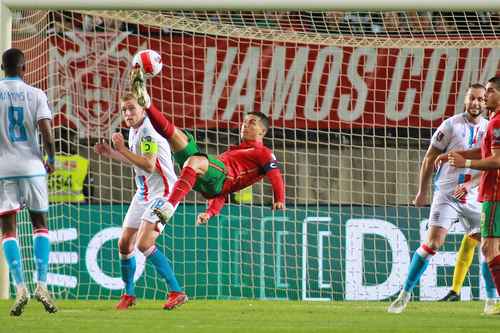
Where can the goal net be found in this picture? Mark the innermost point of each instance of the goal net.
(353, 98)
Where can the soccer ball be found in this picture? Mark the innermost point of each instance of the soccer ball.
(149, 61)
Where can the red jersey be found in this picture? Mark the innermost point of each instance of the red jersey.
(246, 164)
(489, 186)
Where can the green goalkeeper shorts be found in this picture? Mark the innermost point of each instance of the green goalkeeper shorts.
(490, 219)
(211, 183)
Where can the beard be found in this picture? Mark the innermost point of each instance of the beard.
(474, 112)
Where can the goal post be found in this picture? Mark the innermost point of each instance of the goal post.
(353, 98)
(318, 5)
(5, 43)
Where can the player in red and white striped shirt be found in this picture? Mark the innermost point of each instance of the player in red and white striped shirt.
(149, 154)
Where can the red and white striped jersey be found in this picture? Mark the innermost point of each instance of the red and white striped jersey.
(161, 181)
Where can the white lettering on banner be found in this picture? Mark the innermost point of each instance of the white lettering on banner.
(280, 258)
(282, 89)
(315, 259)
(321, 236)
(299, 85)
(308, 220)
(426, 105)
(211, 95)
(356, 229)
(247, 76)
(429, 290)
(272, 92)
(344, 112)
(278, 253)
(63, 258)
(416, 61)
(235, 258)
(335, 55)
(95, 245)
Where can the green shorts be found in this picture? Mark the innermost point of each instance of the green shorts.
(211, 183)
(490, 219)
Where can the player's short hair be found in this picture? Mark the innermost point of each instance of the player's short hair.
(12, 61)
(262, 117)
(128, 97)
(477, 86)
(496, 81)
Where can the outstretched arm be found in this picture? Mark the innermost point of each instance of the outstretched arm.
(471, 154)
(214, 207)
(276, 180)
(491, 162)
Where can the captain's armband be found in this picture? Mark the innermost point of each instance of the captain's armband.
(148, 146)
(271, 165)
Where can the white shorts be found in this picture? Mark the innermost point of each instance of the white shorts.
(140, 210)
(29, 192)
(445, 210)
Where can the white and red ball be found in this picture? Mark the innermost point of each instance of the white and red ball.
(149, 61)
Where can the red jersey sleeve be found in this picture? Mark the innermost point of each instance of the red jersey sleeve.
(267, 160)
(278, 185)
(271, 169)
(215, 205)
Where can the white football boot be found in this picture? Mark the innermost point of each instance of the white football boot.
(400, 303)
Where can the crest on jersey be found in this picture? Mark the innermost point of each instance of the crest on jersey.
(439, 136)
(89, 73)
(496, 136)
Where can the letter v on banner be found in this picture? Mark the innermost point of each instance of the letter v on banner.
(211, 94)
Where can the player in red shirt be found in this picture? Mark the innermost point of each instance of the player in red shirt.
(214, 176)
(487, 159)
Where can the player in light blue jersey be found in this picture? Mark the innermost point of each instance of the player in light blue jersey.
(23, 175)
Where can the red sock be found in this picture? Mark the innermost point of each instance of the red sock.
(494, 266)
(183, 185)
(161, 124)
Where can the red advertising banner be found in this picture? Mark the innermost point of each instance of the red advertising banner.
(212, 81)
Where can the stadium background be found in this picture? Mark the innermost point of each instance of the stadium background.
(349, 132)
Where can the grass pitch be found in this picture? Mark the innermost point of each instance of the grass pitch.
(249, 316)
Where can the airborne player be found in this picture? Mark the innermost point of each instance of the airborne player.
(214, 176)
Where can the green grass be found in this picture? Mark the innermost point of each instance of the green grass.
(249, 316)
